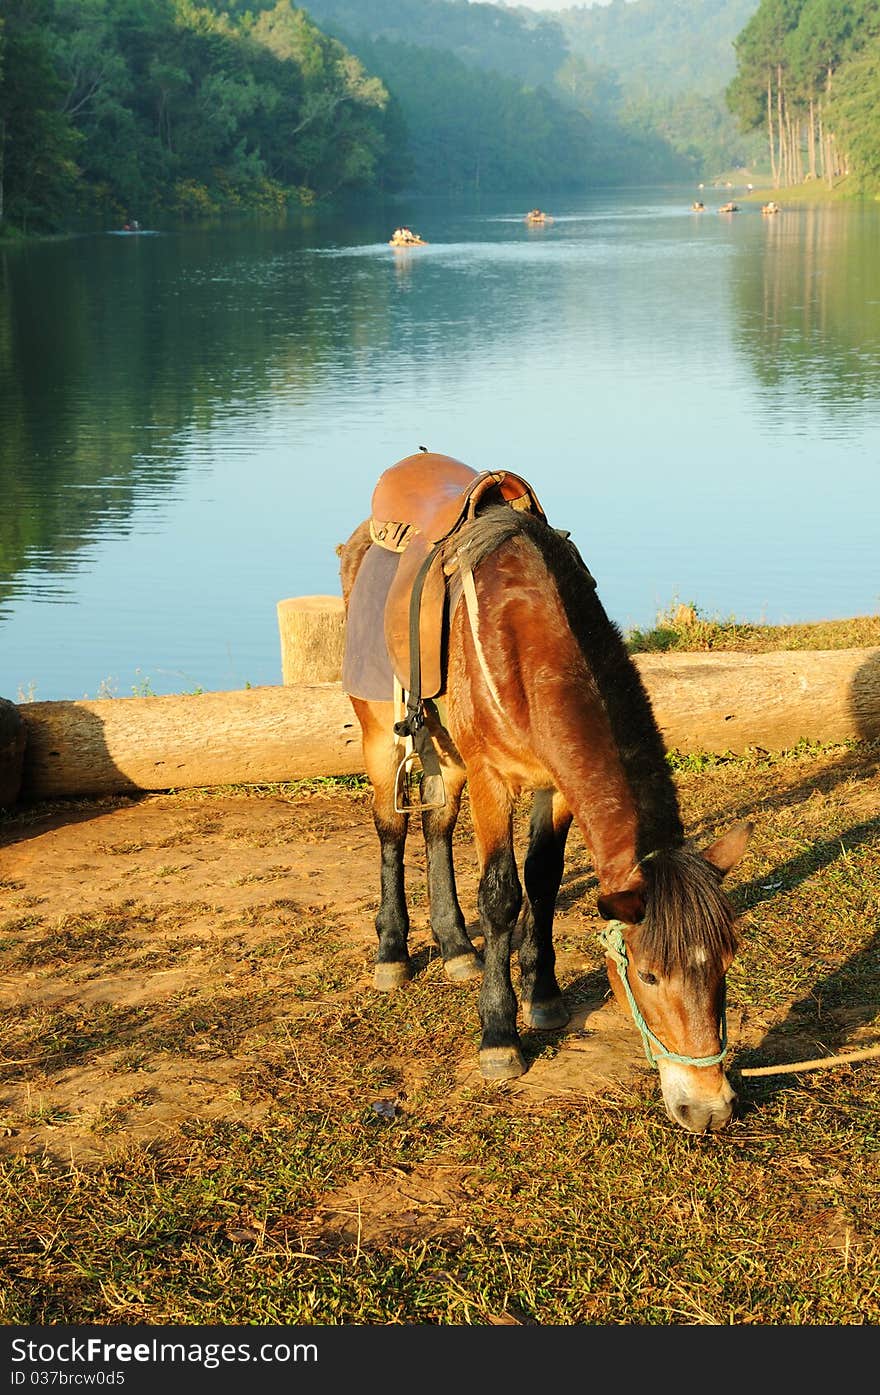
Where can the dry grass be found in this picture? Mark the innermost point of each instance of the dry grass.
(337, 1161)
(685, 627)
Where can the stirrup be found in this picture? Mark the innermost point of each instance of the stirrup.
(432, 789)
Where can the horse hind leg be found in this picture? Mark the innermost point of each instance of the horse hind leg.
(460, 961)
(499, 899)
(542, 1005)
(393, 966)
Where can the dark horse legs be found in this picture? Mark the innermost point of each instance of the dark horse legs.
(393, 965)
(500, 900)
(542, 1004)
(438, 825)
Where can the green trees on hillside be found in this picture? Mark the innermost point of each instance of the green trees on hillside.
(117, 107)
(855, 110)
(195, 106)
(127, 104)
(37, 140)
(672, 63)
(648, 75)
(471, 130)
(660, 47)
(522, 44)
(808, 73)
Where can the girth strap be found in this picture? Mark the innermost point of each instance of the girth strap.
(413, 723)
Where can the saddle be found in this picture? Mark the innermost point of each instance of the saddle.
(418, 506)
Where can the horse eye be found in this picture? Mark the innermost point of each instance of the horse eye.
(647, 977)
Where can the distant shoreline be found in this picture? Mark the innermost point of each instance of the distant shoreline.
(813, 191)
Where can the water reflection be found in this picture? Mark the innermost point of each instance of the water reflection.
(190, 423)
(808, 312)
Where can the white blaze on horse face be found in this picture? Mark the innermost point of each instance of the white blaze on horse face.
(698, 1098)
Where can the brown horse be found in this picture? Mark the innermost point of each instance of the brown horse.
(537, 692)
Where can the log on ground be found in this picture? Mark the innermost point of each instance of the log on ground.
(254, 736)
(13, 737)
(730, 701)
(715, 702)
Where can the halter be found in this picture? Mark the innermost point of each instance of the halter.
(611, 936)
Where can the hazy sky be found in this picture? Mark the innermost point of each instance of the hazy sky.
(546, 4)
(541, 4)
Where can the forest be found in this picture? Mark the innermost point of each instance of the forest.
(114, 105)
(111, 108)
(808, 75)
(645, 77)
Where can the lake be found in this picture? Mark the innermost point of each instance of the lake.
(192, 420)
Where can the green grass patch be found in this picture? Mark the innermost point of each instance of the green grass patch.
(683, 626)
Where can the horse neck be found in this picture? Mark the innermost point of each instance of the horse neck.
(600, 737)
(575, 696)
(594, 783)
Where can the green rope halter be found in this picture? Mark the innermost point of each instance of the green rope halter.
(611, 936)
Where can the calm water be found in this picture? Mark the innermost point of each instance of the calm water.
(190, 422)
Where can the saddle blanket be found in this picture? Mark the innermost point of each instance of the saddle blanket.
(366, 663)
(367, 671)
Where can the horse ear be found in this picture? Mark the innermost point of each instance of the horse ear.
(628, 906)
(727, 850)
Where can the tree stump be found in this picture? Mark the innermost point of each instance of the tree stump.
(312, 632)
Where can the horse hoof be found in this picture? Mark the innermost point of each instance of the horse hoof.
(462, 968)
(501, 1063)
(546, 1017)
(387, 977)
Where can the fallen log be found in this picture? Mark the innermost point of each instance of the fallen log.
(13, 736)
(250, 737)
(715, 702)
(729, 701)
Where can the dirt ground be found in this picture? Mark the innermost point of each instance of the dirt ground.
(148, 946)
(121, 918)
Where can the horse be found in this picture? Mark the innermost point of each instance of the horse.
(536, 693)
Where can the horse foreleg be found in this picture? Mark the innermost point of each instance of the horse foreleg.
(460, 961)
(381, 756)
(499, 899)
(542, 1003)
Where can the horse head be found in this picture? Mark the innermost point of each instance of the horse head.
(668, 945)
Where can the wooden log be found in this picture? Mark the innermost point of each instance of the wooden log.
(715, 702)
(13, 737)
(254, 736)
(730, 701)
(312, 634)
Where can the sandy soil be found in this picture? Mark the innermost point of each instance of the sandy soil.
(119, 919)
(150, 947)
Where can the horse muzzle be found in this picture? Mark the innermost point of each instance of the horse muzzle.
(698, 1104)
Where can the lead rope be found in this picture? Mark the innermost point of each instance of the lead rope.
(611, 936)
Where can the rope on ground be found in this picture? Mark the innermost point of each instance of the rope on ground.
(820, 1063)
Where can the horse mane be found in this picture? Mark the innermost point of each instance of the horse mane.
(618, 681)
(688, 922)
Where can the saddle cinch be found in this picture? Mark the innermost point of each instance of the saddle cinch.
(418, 506)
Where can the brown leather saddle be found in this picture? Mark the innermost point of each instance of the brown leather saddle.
(418, 506)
